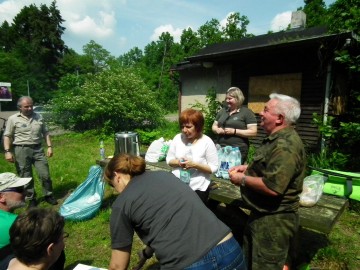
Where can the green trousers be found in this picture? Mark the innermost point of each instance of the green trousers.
(25, 158)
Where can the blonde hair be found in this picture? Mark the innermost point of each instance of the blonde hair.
(126, 164)
(236, 93)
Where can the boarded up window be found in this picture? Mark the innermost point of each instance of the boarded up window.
(260, 87)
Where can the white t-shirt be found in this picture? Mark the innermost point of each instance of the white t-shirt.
(203, 151)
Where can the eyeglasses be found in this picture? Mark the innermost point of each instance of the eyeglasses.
(14, 189)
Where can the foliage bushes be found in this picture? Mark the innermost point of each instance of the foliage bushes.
(110, 101)
(341, 141)
(209, 109)
(167, 130)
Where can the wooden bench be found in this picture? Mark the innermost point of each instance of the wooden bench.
(321, 217)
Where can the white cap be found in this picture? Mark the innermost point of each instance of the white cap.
(10, 180)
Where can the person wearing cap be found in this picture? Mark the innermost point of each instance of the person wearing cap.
(25, 131)
(12, 196)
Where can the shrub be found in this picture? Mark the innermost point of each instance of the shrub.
(210, 109)
(168, 130)
(111, 101)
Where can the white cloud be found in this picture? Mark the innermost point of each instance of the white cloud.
(224, 21)
(101, 27)
(8, 10)
(176, 33)
(281, 21)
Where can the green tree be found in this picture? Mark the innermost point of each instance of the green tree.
(5, 40)
(34, 38)
(344, 15)
(341, 133)
(112, 100)
(160, 56)
(235, 27)
(189, 42)
(316, 12)
(132, 58)
(101, 58)
(74, 63)
(209, 33)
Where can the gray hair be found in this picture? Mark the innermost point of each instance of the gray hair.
(287, 106)
(20, 100)
(236, 93)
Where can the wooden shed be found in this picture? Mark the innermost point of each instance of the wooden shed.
(298, 62)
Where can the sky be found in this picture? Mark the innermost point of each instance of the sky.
(120, 25)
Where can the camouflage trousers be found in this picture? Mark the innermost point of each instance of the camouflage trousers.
(270, 240)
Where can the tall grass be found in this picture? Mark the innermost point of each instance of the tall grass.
(89, 241)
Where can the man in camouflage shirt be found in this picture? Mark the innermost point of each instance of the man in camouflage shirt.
(271, 185)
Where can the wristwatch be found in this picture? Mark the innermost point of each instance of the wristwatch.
(243, 180)
(7, 151)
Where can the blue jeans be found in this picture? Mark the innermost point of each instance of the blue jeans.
(225, 256)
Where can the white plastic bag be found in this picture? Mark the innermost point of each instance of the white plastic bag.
(154, 151)
(312, 190)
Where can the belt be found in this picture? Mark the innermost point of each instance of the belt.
(28, 145)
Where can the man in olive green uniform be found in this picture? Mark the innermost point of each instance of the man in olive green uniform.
(25, 131)
(271, 185)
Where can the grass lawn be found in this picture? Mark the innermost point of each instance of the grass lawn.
(89, 241)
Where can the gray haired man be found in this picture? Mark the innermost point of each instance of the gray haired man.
(25, 131)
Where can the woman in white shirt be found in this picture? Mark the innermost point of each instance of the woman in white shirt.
(202, 160)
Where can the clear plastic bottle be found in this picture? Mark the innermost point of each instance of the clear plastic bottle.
(225, 162)
(233, 158)
(185, 174)
(102, 150)
(220, 153)
(238, 156)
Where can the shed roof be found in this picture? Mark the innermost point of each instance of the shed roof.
(294, 37)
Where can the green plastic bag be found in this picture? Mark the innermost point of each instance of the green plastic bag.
(164, 149)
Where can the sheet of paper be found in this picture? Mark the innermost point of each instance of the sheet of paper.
(81, 266)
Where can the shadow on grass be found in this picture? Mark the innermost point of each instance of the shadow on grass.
(65, 189)
(309, 242)
(107, 202)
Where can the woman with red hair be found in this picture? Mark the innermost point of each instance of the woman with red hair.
(204, 159)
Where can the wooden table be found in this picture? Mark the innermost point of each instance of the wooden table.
(320, 217)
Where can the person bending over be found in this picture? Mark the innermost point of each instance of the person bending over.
(168, 217)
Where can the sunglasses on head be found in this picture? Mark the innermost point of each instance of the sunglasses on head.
(14, 189)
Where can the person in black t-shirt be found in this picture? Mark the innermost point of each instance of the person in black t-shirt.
(234, 123)
(168, 217)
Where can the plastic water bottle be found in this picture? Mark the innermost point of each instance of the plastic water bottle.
(231, 162)
(233, 158)
(238, 156)
(220, 154)
(185, 174)
(102, 150)
(225, 163)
